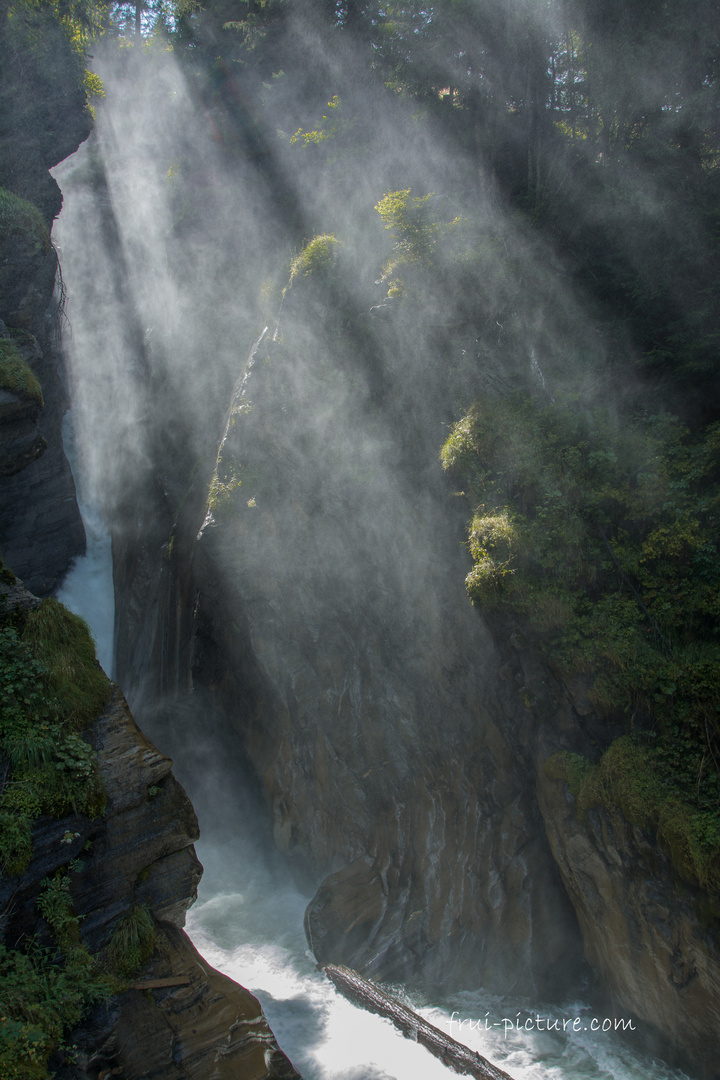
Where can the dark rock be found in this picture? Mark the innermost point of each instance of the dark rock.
(643, 927)
(140, 828)
(44, 115)
(210, 1028)
(41, 530)
(40, 526)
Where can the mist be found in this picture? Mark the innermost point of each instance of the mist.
(289, 273)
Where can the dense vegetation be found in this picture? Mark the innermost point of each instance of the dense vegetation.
(602, 539)
(50, 690)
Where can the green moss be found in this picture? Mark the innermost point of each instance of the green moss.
(16, 374)
(572, 768)
(630, 779)
(19, 219)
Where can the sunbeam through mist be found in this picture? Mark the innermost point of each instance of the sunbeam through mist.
(394, 428)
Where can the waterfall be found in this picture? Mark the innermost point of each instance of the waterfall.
(87, 588)
(248, 919)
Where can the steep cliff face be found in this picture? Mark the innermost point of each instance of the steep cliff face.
(44, 115)
(142, 854)
(653, 938)
(40, 525)
(321, 613)
(400, 739)
(135, 861)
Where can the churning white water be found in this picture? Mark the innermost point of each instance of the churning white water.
(248, 924)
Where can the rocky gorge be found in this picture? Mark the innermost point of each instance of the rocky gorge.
(289, 569)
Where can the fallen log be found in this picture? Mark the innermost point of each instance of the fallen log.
(452, 1053)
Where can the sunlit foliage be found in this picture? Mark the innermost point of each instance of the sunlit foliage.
(602, 537)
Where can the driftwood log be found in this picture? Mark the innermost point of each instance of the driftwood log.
(453, 1054)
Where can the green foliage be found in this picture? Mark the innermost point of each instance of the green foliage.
(494, 543)
(16, 374)
(315, 258)
(43, 991)
(408, 219)
(132, 942)
(39, 1000)
(601, 533)
(328, 129)
(50, 686)
(46, 695)
(417, 237)
(631, 777)
(63, 643)
(224, 484)
(20, 219)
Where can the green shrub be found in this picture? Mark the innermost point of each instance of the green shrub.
(50, 686)
(132, 942)
(45, 991)
(630, 777)
(16, 375)
(418, 239)
(315, 258)
(600, 534)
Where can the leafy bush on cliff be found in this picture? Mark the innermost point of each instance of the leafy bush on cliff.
(45, 991)
(601, 533)
(315, 257)
(417, 239)
(50, 688)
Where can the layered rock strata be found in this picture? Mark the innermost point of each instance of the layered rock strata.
(202, 1026)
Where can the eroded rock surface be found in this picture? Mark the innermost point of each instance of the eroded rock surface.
(208, 1029)
(40, 525)
(653, 938)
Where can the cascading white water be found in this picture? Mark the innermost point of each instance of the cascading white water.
(87, 588)
(248, 924)
(248, 920)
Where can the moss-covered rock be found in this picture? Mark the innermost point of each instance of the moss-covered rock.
(16, 375)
